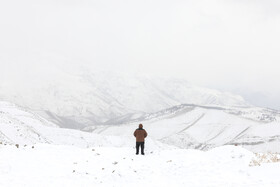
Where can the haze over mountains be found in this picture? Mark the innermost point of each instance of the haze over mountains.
(109, 103)
(84, 97)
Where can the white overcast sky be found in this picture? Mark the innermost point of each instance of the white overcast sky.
(231, 45)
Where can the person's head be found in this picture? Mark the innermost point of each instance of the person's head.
(140, 126)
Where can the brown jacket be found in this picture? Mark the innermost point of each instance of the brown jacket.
(140, 135)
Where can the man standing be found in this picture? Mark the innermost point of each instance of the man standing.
(140, 135)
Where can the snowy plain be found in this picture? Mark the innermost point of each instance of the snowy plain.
(61, 165)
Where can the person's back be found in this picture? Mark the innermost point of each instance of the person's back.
(140, 135)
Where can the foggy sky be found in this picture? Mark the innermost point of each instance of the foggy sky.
(231, 45)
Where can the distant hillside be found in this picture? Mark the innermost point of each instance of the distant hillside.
(204, 127)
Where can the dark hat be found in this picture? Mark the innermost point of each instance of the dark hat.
(140, 125)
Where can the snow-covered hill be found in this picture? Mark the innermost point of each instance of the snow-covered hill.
(204, 127)
(83, 97)
(183, 126)
(19, 126)
(16, 122)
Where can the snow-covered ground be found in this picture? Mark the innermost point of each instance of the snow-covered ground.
(59, 165)
(35, 152)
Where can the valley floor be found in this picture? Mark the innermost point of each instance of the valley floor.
(60, 165)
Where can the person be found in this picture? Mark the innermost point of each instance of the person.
(140, 135)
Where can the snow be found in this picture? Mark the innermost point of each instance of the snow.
(203, 127)
(271, 129)
(190, 127)
(19, 126)
(61, 165)
(51, 156)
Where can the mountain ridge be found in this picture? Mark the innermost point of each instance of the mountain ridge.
(86, 98)
(205, 127)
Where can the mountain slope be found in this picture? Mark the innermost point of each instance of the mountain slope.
(19, 126)
(204, 127)
(14, 122)
(184, 126)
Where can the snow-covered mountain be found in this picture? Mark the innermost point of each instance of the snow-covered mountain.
(20, 126)
(204, 127)
(183, 126)
(17, 123)
(81, 97)
(113, 104)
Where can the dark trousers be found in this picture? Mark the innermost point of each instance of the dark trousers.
(138, 144)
